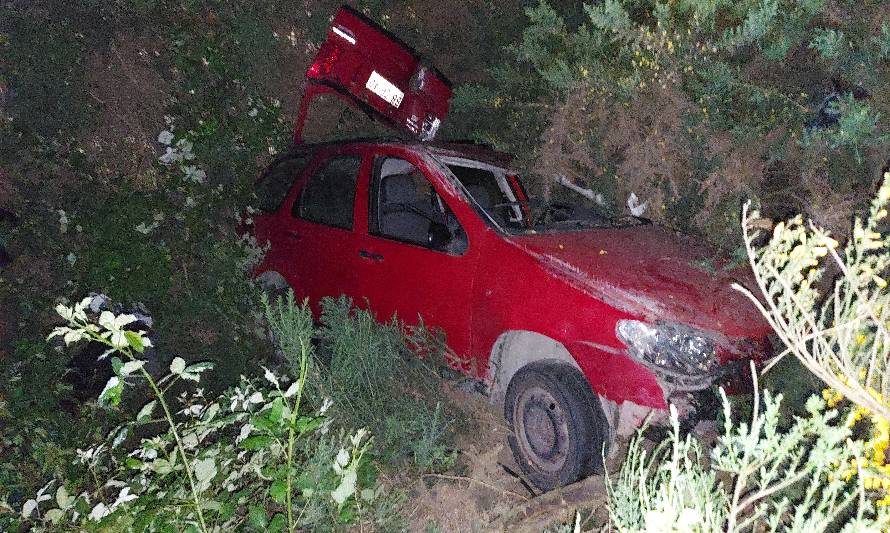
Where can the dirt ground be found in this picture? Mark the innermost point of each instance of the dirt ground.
(484, 490)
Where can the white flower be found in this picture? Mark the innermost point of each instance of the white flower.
(244, 433)
(689, 518)
(256, 397)
(144, 228)
(193, 173)
(253, 112)
(341, 460)
(123, 497)
(165, 137)
(636, 208)
(71, 258)
(184, 147)
(169, 156)
(99, 512)
(270, 377)
(63, 221)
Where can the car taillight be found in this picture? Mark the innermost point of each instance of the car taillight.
(324, 63)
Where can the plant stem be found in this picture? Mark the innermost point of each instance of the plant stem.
(291, 436)
(179, 445)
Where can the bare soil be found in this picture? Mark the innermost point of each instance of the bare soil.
(484, 491)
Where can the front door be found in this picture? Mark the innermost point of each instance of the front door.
(403, 272)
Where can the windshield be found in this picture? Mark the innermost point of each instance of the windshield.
(498, 196)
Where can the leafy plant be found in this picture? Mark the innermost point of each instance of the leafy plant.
(366, 368)
(236, 458)
(757, 477)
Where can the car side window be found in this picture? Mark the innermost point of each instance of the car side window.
(405, 207)
(328, 197)
(273, 187)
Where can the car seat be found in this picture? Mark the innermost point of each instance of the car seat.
(400, 215)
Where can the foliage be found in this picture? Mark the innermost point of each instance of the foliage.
(758, 477)
(695, 105)
(373, 378)
(839, 334)
(247, 457)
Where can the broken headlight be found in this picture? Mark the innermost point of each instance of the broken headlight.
(674, 348)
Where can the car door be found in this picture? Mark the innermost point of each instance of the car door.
(402, 273)
(320, 228)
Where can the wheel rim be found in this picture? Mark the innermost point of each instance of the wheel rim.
(541, 428)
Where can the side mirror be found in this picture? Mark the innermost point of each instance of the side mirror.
(438, 237)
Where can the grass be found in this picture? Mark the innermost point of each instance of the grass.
(370, 378)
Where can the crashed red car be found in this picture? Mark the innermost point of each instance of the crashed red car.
(578, 323)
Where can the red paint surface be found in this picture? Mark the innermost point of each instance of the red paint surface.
(344, 67)
(572, 287)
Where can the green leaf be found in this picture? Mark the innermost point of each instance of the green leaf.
(306, 423)
(63, 498)
(53, 515)
(135, 341)
(276, 408)
(197, 368)
(256, 442)
(205, 469)
(146, 411)
(257, 517)
(278, 491)
(346, 488)
(131, 366)
(111, 394)
(277, 523)
(177, 366)
(116, 365)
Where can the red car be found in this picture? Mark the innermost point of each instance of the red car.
(578, 323)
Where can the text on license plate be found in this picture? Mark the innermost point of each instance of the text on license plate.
(385, 89)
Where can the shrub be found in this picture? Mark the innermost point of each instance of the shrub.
(694, 106)
(822, 472)
(252, 456)
(373, 378)
(759, 478)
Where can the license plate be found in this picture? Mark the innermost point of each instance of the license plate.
(385, 89)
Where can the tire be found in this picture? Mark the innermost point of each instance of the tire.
(558, 428)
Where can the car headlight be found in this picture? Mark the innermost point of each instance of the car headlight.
(676, 348)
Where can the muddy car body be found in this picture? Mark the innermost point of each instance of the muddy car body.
(578, 324)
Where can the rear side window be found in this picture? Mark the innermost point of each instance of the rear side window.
(273, 188)
(329, 194)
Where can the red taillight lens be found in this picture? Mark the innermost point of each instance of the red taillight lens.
(324, 62)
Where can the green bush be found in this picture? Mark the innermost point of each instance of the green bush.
(758, 477)
(254, 457)
(694, 106)
(374, 379)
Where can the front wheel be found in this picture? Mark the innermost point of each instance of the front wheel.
(558, 427)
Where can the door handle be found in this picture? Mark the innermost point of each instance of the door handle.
(370, 255)
(294, 235)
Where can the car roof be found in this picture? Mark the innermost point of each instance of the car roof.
(454, 149)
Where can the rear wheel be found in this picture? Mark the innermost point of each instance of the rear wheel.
(558, 427)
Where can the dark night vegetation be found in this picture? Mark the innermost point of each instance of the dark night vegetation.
(131, 132)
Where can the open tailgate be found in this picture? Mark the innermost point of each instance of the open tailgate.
(370, 68)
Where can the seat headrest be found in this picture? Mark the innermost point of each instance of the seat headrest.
(398, 189)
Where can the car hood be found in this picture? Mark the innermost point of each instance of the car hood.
(653, 273)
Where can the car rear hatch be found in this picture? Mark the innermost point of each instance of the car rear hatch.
(374, 70)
